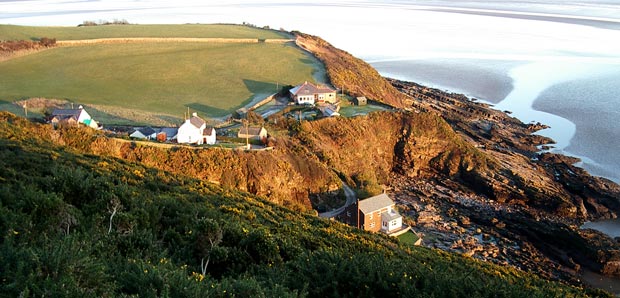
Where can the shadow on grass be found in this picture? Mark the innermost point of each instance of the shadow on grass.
(209, 111)
(259, 87)
(308, 61)
(259, 90)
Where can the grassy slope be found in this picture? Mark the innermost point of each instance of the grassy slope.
(12, 32)
(213, 79)
(55, 204)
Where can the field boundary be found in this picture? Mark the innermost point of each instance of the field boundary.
(168, 39)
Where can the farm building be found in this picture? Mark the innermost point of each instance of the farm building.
(253, 133)
(308, 93)
(160, 134)
(193, 131)
(72, 117)
(209, 135)
(361, 101)
(145, 133)
(167, 134)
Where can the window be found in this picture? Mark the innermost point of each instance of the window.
(371, 225)
(370, 216)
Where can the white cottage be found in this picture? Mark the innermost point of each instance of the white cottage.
(209, 135)
(191, 131)
(308, 93)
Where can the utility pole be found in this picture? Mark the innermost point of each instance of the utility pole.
(247, 137)
(358, 213)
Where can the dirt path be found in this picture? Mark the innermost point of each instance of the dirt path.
(350, 194)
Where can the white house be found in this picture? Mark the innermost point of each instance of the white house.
(308, 93)
(191, 131)
(68, 116)
(391, 221)
(209, 135)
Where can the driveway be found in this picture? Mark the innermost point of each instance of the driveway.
(351, 199)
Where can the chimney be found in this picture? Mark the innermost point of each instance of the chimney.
(195, 114)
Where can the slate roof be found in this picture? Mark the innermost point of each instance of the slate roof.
(146, 131)
(308, 89)
(197, 121)
(67, 112)
(375, 203)
(170, 131)
(252, 131)
(209, 131)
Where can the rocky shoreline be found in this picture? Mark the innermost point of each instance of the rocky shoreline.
(512, 229)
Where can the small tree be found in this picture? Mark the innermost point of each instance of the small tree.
(208, 236)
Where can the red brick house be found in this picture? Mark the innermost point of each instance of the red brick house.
(374, 214)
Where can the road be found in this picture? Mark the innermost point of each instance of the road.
(351, 199)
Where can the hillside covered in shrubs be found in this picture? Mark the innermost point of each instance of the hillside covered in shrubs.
(75, 223)
(352, 74)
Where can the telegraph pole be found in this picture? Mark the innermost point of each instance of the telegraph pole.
(247, 136)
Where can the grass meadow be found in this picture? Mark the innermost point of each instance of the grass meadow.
(12, 32)
(164, 79)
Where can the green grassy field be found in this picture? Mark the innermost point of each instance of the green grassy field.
(160, 78)
(12, 32)
(408, 238)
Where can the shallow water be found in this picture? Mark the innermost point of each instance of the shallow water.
(486, 80)
(609, 227)
(593, 104)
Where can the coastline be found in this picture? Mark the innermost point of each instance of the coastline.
(473, 77)
(534, 92)
(542, 84)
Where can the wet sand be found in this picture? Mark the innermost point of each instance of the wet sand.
(593, 106)
(486, 80)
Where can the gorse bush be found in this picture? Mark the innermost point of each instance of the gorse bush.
(57, 206)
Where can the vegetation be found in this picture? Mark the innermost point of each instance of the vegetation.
(12, 32)
(163, 79)
(355, 76)
(20, 45)
(408, 238)
(76, 224)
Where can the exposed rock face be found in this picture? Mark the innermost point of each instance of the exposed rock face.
(527, 203)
